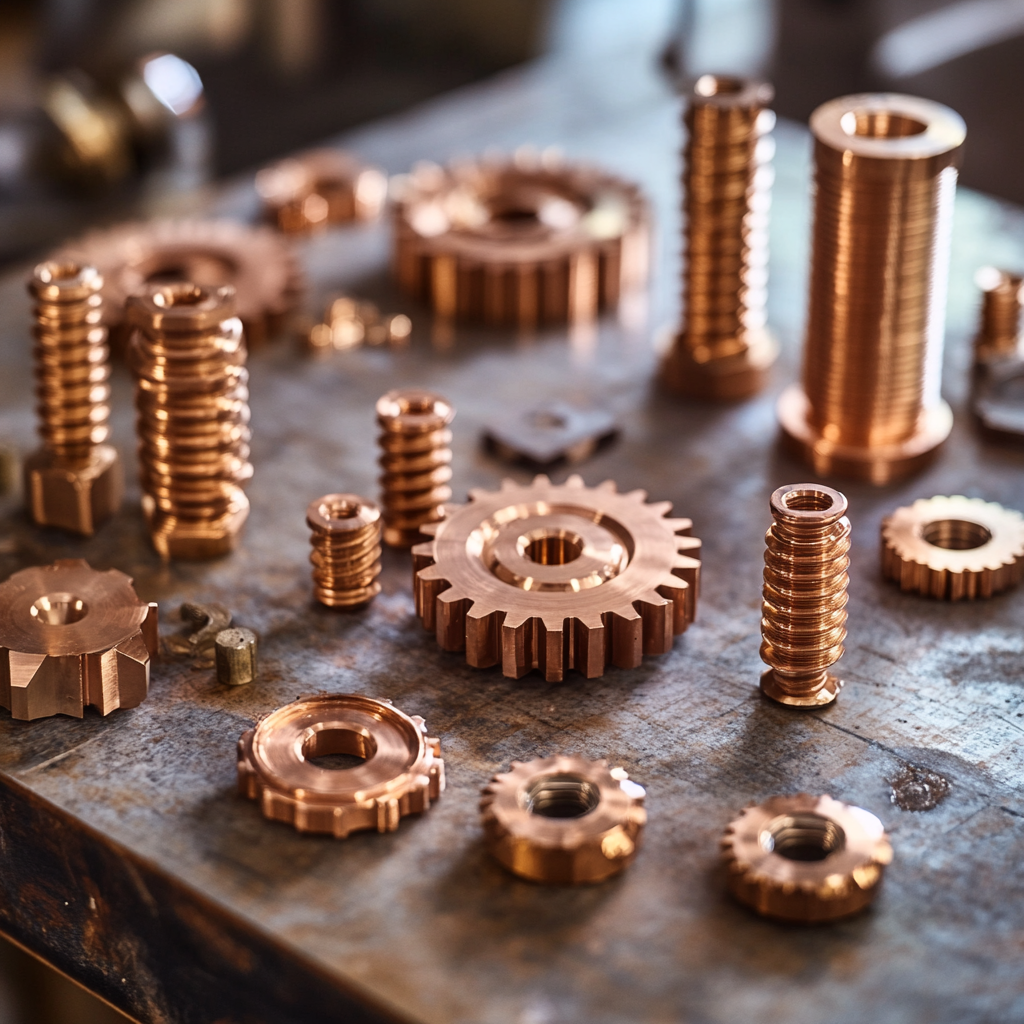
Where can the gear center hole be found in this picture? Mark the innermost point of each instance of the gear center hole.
(804, 837)
(561, 796)
(551, 546)
(337, 748)
(956, 534)
(59, 609)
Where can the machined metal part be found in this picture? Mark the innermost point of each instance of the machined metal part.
(235, 656)
(349, 323)
(401, 771)
(75, 480)
(556, 577)
(805, 858)
(563, 819)
(71, 636)
(192, 398)
(885, 173)
(525, 241)
(550, 433)
(999, 397)
(346, 536)
(723, 349)
(953, 548)
(999, 327)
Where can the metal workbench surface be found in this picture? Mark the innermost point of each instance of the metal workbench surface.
(128, 860)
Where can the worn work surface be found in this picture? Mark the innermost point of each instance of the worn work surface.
(128, 860)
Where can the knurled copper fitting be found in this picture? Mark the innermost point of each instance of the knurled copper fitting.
(416, 461)
(803, 615)
(346, 532)
(885, 177)
(188, 358)
(1002, 301)
(563, 819)
(806, 859)
(723, 349)
(74, 481)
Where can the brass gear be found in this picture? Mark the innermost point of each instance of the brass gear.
(257, 261)
(953, 548)
(557, 576)
(525, 241)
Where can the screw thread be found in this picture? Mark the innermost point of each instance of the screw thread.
(1001, 306)
(346, 535)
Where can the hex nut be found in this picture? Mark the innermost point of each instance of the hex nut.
(235, 653)
(74, 497)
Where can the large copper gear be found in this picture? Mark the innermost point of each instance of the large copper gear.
(521, 241)
(953, 548)
(257, 261)
(556, 577)
(72, 636)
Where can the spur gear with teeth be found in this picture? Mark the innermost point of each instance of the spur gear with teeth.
(557, 576)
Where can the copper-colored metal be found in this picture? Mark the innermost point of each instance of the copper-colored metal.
(193, 417)
(320, 187)
(525, 241)
(71, 636)
(346, 549)
(349, 323)
(75, 481)
(803, 623)
(556, 577)
(885, 175)
(805, 858)
(563, 819)
(402, 771)
(723, 349)
(256, 261)
(235, 656)
(416, 461)
(1002, 302)
(953, 548)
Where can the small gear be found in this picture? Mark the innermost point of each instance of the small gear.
(563, 819)
(72, 636)
(557, 576)
(258, 262)
(402, 771)
(953, 548)
(523, 241)
(805, 858)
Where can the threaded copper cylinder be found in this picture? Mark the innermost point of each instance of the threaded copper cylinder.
(1002, 300)
(192, 397)
(803, 622)
(722, 349)
(416, 462)
(346, 534)
(885, 177)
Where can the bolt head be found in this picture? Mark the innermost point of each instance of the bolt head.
(74, 496)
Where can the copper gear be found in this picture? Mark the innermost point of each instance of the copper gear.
(953, 548)
(563, 819)
(257, 261)
(402, 772)
(72, 636)
(557, 576)
(525, 241)
(805, 858)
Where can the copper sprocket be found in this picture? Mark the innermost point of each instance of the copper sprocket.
(556, 577)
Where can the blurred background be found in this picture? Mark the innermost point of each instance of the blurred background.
(112, 109)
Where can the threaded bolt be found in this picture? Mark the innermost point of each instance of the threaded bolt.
(1002, 301)
(346, 549)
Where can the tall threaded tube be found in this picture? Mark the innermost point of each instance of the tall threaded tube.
(193, 417)
(416, 461)
(346, 549)
(1001, 305)
(803, 622)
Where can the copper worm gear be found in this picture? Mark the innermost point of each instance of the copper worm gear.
(72, 636)
(953, 548)
(805, 858)
(522, 241)
(257, 261)
(346, 549)
(402, 771)
(563, 819)
(556, 577)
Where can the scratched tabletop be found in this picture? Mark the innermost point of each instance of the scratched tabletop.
(128, 861)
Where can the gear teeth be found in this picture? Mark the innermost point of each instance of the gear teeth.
(483, 636)
(574, 481)
(430, 529)
(608, 485)
(640, 496)
(451, 607)
(660, 508)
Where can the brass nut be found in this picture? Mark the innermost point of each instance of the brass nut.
(803, 617)
(71, 636)
(805, 858)
(563, 819)
(401, 771)
(953, 548)
(235, 655)
(556, 577)
(77, 497)
(346, 534)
